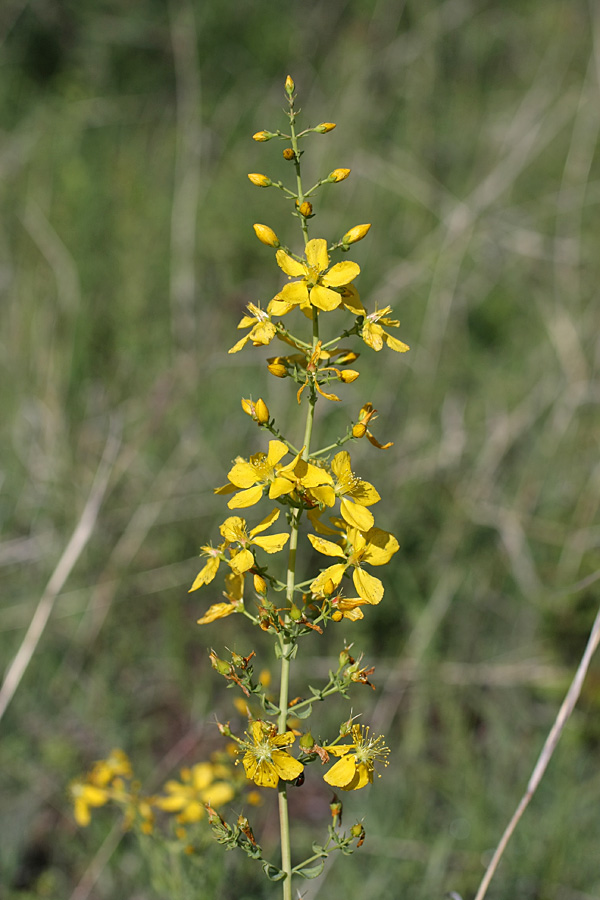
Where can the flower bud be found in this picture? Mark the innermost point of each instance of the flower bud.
(258, 411)
(336, 807)
(260, 180)
(324, 127)
(263, 136)
(289, 85)
(347, 357)
(289, 154)
(358, 831)
(277, 369)
(219, 665)
(307, 741)
(295, 613)
(266, 235)
(305, 209)
(359, 430)
(260, 585)
(349, 375)
(355, 234)
(224, 729)
(262, 411)
(337, 616)
(337, 175)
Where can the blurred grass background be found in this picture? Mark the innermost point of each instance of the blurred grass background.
(126, 259)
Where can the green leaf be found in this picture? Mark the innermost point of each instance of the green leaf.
(272, 872)
(303, 713)
(312, 872)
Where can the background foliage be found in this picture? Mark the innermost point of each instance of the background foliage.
(126, 258)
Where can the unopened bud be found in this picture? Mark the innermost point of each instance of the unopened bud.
(305, 209)
(289, 154)
(336, 807)
(307, 741)
(336, 175)
(359, 430)
(289, 85)
(220, 666)
(295, 613)
(262, 411)
(349, 375)
(277, 369)
(344, 656)
(358, 831)
(347, 357)
(337, 616)
(355, 234)
(324, 127)
(260, 585)
(260, 180)
(263, 136)
(266, 235)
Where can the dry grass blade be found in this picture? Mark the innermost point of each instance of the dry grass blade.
(564, 713)
(79, 538)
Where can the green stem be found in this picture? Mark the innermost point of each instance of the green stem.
(286, 647)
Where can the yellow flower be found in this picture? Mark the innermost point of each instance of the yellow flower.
(355, 494)
(374, 335)
(262, 331)
(86, 796)
(360, 428)
(210, 569)
(357, 547)
(198, 786)
(234, 530)
(299, 476)
(265, 762)
(253, 474)
(317, 280)
(355, 768)
(97, 788)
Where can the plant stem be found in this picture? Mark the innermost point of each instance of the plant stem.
(285, 647)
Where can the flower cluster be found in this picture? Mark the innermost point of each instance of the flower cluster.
(266, 574)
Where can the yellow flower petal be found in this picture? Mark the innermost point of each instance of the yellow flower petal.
(394, 344)
(316, 254)
(354, 514)
(367, 586)
(206, 574)
(266, 522)
(286, 766)
(328, 548)
(342, 273)
(290, 266)
(324, 299)
(272, 543)
(381, 546)
(244, 499)
(218, 610)
(342, 773)
(242, 561)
